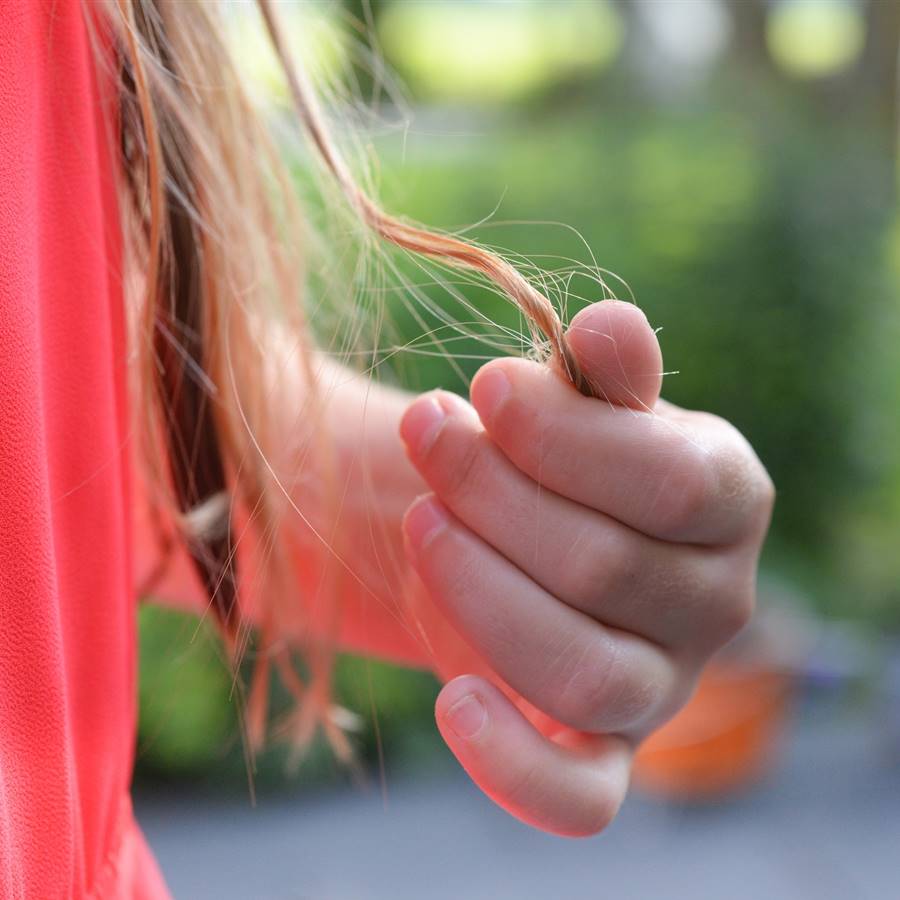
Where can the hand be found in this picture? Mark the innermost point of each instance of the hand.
(592, 553)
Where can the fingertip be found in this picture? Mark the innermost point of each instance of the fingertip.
(619, 353)
(610, 306)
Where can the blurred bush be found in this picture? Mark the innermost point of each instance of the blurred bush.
(758, 246)
(189, 722)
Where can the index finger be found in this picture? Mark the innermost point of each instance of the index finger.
(689, 478)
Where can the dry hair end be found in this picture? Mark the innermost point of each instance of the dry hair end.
(535, 306)
(214, 255)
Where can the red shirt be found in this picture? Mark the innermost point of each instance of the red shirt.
(67, 599)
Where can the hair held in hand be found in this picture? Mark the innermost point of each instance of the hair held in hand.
(215, 234)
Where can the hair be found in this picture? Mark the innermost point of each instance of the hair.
(215, 235)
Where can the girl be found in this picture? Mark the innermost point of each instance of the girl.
(565, 563)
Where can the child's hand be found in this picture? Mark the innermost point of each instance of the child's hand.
(593, 554)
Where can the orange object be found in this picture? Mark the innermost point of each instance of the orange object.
(722, 740)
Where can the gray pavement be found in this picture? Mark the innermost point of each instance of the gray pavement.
(825, 824)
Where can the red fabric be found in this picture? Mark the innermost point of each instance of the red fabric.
(67, 604)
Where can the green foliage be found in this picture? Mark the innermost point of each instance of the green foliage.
(483, 52)
(760, 238)
(761, 259)
(186, 717)
(189, 722)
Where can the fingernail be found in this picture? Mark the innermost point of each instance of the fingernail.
(466, 717)
(421, 424)
(423, 521)
(489, 391)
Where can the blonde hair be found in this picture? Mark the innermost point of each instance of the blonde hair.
(214, 228)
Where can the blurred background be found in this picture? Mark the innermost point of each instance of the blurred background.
(734, 162)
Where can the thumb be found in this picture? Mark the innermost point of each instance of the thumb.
(618, 353)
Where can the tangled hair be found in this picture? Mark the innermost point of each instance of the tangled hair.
(215, 235)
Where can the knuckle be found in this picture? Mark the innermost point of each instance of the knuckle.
(600, 562)
(766, 492)
(713, 604)
(740, 469)
(731, 603)
(742, 484)
(737, 612)
(596, 691)
(684, 495)
(712, 471)
(578, 682)
(674, 592)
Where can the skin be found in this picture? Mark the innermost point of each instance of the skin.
(565, 564)
(592, 553)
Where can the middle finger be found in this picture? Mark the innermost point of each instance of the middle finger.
(588, 560)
